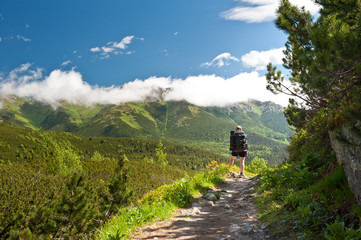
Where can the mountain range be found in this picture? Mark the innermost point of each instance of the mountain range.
(203, 127)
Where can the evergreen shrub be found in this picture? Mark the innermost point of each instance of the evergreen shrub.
(258, 165)
(37, 168)
(159, 203)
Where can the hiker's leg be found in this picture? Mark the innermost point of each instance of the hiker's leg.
(231, 161)
(242, 163)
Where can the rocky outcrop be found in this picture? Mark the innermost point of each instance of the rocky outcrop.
(346, 141)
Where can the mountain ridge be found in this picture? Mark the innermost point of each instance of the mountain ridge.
(177, 121)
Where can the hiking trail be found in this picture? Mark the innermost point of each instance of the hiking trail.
(232, 216)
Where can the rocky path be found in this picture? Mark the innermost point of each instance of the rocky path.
(232, 216)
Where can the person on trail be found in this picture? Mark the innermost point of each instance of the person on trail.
(239, 147)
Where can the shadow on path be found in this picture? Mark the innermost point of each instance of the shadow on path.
(233, 216)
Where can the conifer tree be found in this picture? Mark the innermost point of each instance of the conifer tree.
(161, 157)
(74, 211)
(324, 58)
(119, 193)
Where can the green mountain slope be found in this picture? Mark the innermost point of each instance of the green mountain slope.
(127, 120)
(182, 122)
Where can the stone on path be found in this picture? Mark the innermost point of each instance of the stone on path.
(211, 197)
(190, 211)
(247, 229)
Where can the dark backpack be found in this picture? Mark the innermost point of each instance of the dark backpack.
(238, 141)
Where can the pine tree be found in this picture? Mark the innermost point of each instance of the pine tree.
(74, 212)
(324, 59)
(161, 157)
(119, 193)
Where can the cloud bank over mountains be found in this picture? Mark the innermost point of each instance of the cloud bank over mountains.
(201, 90)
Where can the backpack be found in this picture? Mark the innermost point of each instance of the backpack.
(238, 141)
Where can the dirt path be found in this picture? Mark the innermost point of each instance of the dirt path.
(232, 216)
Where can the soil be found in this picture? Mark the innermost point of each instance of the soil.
(232, 216)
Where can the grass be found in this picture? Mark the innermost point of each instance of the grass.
(298, 201)
(142, 111)
(128, 119)
(160, 203)
(81, 114)
(128, 220)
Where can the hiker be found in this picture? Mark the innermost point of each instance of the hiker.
(239, 147)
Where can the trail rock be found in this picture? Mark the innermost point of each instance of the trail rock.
(241, 204)
(210, 197)
(196, 204)
(228, 237)
(233, 174)
(190, 212)
(247, 229)
(234, 228)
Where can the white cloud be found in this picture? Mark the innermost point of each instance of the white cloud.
(20, 37)
(202, 90)
(113, 47)
(23, 67)
(95, 49)
(0, 39)
(66, 63)
(253, 11)
(122, 44)
(24, 74)
(221, 60)
(259, 60)
(107, 50)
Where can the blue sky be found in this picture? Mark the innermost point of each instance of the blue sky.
(105, 47)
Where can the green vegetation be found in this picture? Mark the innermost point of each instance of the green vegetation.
(36, 204)
(49, 179)
(202, 127)
(161, 156)
(159, 203)
(308, 196)
(257, 166)
(19, 145)
(323, 58)
(308, 200)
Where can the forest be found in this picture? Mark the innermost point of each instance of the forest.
(61, 185)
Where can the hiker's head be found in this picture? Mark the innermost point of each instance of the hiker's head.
(238, 128)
